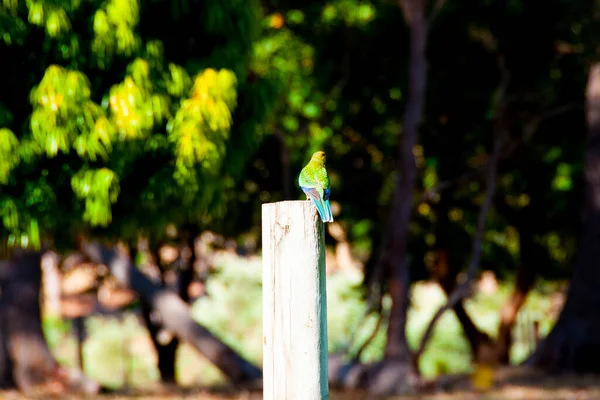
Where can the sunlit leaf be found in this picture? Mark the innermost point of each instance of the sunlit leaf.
(99, 188)
(9, 156)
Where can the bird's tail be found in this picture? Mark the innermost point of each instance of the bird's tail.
(324, 210)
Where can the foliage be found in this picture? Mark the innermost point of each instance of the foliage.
(132, 129)
(350, 98)
(127, 135)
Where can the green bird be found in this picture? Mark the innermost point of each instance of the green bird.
(314, 182)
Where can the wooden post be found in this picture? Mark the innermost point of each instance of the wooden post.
(294, 302)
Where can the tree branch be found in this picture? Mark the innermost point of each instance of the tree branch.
(381, 316)
(529, 130)
(463, 289)
(504, 152)
(439, 4)
(501, 137)
(533, 125)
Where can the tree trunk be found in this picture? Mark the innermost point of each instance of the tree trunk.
(523, 284)
(164, 342)
(447, 280)
(395, 245)
(24, 346)
(79, 328)
(186, 275)
(394, 375)
(175, 314)
(6, 377)
(574, 342)
(165, 346)
(445, 271)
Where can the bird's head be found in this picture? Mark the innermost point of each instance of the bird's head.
(318, 156)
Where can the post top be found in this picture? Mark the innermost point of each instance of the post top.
(298, 210)
(286, 201)
(290, 203)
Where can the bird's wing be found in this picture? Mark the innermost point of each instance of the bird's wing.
(304, 179)
(311, 192)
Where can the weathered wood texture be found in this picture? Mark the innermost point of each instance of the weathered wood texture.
(294, 302)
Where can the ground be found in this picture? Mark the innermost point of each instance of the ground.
(118, 352)
(512, 384)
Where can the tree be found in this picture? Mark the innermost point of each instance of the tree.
(116, 131)
(516, 101)
(573, 342)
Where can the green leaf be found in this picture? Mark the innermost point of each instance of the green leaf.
(9, 156)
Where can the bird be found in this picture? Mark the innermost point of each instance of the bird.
(314, 182)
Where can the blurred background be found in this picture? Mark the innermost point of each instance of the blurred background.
(462, 142)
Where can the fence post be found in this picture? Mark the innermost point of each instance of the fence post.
(294, 302)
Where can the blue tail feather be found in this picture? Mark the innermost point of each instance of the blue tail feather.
(324, 210)
(322, 205)
(329, 213)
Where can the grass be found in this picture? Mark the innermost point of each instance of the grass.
(118, 352)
